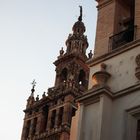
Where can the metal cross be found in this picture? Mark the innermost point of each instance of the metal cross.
(33, 83)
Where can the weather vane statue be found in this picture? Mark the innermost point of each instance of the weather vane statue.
(81, 13)
(33, 87)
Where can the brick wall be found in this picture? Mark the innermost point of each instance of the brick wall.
(105, 27)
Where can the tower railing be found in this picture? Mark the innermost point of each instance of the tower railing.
(125, 36)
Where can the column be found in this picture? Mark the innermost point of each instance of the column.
(39, 122)
(67, 114)
(31, 128)
(60, 117)
(49, 120)
(57, 118)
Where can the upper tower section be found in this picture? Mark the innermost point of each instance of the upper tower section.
(118, 24)
(71, 67)
(77, 41)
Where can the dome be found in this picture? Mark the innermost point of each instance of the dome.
(79, 27)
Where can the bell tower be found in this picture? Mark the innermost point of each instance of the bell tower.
(71, 69)
(49, 118)
(71, 81)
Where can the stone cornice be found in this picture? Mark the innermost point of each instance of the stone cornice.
(71, 56)
(126, 91)
(94, 93)
(103, 3)
(114, 53)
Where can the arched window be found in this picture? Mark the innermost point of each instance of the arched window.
(73, 113)
(138, 130)
(78, 30)
(83, 48)
(69, 47)
(53, 119)
(27, 129)
(82, 78)
(33, 130)
(64, 74)
(60, 116)
(44, 118)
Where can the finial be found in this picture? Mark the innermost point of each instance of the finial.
(61, 51)
(33, 87)
(90, 54)
(37, 98)
(44, 94)
(81, 12)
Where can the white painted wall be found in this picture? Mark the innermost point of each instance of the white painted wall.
(122, 68)
(90, 122)
(119, 114)
(106, 119)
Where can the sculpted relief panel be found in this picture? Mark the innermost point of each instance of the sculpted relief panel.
(137, 72)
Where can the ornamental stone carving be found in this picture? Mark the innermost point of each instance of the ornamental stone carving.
(138, 60)
(137, 71)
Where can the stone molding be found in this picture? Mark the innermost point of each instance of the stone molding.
(103, 3)
(95, 92)
(132, 116)
(126, 47)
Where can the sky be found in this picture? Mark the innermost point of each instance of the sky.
(31, 34)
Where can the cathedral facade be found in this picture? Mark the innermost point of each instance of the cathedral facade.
(110, 108)
(49, 118)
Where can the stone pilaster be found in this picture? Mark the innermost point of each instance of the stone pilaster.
(57, 118)
(67, 114)
(49, 121)
(39, 123)
(31, 128)
(64, 136)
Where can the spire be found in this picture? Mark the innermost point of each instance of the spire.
(79, 27)
(90, 54)
(81, 14)
(31, 99)
(33, 88)
(77, 41)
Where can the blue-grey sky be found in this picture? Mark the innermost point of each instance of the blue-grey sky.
(31, 34)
